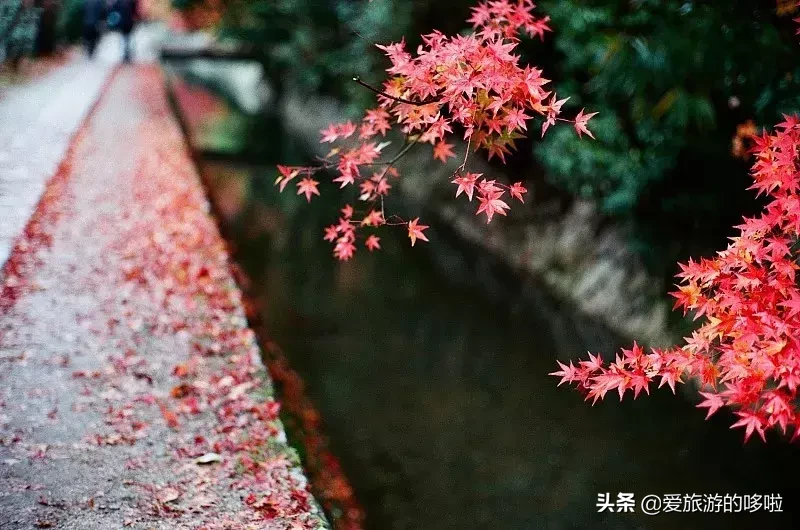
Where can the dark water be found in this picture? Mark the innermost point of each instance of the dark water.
(429, 367)
(433, 387)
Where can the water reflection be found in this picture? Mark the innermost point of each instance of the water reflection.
(434, 390)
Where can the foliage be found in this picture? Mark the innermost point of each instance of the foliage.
(746, 352)
(471, 82)
(310, 46)
(671, 81)
(664, 76)
(677, 87)
(18, 25)
(70, 20)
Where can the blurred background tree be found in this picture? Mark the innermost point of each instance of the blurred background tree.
(303, 45)
(18, 29)
(70, 21)
(671, 82)
(315, 47)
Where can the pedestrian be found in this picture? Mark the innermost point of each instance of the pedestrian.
(93, 14)
(122, 17)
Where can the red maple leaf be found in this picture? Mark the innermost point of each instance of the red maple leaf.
(308, 186)
(748, 306)
(580, 123)
(517, 190)
(752, 422)
(466, 184)
(568, 374)
(793, 304)
(373, 243)
(415, 231)
(469, 81)
(331, 233)
(442, 151)
(490, 205)
(374, 218)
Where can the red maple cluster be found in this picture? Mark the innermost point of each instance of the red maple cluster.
(473, 83)
(746, 354)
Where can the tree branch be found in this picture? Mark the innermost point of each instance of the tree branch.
(399, 100)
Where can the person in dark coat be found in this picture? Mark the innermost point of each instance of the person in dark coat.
(123, 17)
(93, 14)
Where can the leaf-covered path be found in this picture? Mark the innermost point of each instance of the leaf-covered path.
(131, 392)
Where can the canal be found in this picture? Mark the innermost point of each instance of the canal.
(428, 366)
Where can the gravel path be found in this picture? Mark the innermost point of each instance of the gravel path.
(131, 390)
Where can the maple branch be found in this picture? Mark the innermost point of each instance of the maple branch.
(397, 223)
(401, 222)
(362, 37)
(408, 145)
(395, 98)
(400, 153)
(463, 165)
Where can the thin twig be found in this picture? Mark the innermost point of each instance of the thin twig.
(395, 98)
(406, 147)
(401, 221)
(362, 37)
(463, 165)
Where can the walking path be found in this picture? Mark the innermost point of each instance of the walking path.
(37, 121)
(131, 392)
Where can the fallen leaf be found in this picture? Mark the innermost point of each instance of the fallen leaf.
(168, 495)
(239, 390)
(208, 458)
(169, 417)
(180, 391)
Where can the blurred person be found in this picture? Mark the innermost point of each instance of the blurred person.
(93, 14)
(122, 17)
(46, 29)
